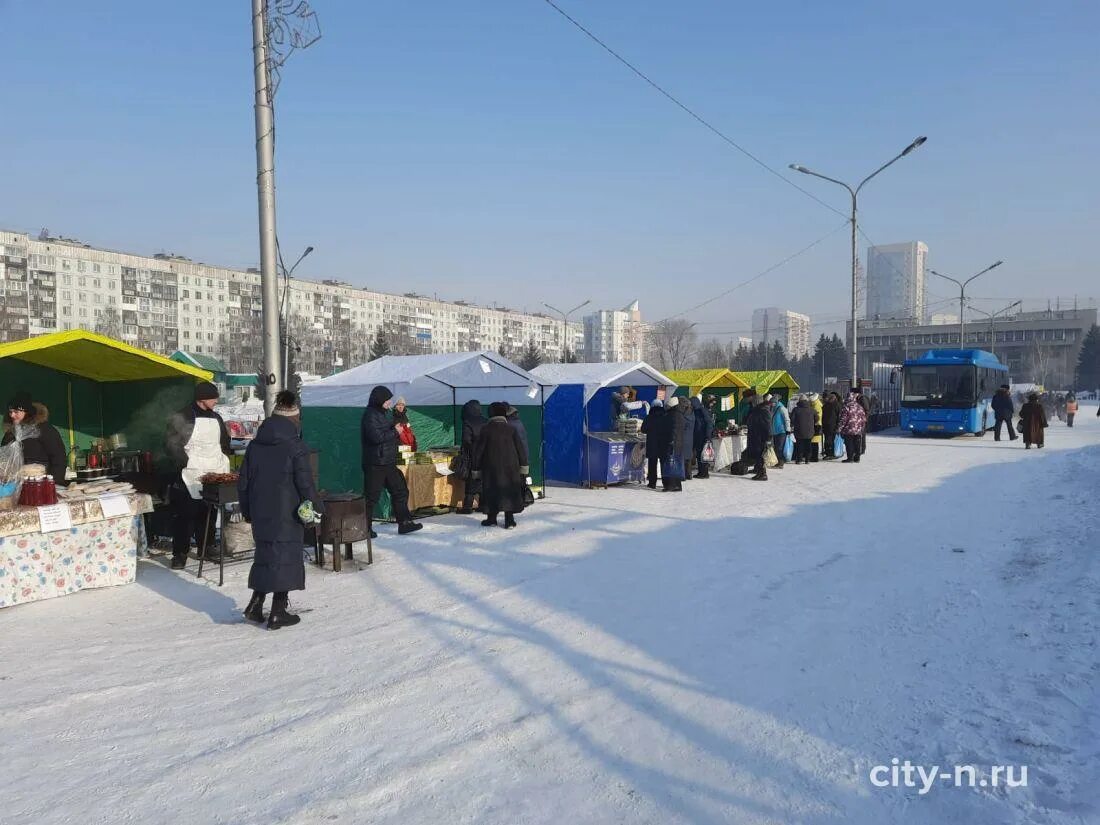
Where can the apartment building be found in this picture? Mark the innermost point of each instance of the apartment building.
(166, 302)
(790, 329)
(614, 335)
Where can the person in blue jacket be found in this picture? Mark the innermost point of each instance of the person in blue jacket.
(781, 427)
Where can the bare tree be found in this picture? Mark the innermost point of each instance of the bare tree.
(673, 342)
(109, 323)
(711, 354)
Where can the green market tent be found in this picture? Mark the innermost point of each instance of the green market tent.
(95, 386)
(719, 382)
(777, 382)
(434, 387)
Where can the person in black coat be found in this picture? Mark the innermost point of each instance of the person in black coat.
(759, 425)
(275, 480)
(656, 440)
(473, 422)
(700, 435)
(687, 444)
(830, 420)
(379, 438)
(802, 425)
(672, 472)
(500, 460)
(1003, 409)
(45, 448)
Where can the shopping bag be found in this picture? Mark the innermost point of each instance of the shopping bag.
(788, 448)
(838, 446)
(528, 495)
(770, 458)
(708, 453)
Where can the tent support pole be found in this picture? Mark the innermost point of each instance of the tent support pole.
(72, 428)
(542, 438)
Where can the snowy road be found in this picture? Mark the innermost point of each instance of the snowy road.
(740, 653)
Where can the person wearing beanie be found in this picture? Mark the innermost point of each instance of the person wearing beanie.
(41, 442)
(197, 442)
(379, 441)
(500, 461)
(759, 424)
(275, 480)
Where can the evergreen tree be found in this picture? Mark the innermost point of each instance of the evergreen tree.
(531, 356)
(741, 359)
(380, 346)
(777, 357)
(1088, 361)
(896, 354)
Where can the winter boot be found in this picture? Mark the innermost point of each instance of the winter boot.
(407, 527)
(760, 477)
(179, 562)
(279, 618)
(491, 521)
(509, 521)
(255, 610)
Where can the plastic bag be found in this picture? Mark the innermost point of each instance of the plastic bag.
(708, 453)
(11, 460)
(238, 537)
(838, 446)
(770, 458)
(788, 448)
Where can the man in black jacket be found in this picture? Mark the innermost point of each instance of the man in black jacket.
(759, 424)
(1003, 408)
(379, 437)
(197, 442)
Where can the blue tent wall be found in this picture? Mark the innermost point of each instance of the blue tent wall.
(563, 422)
(565, 417)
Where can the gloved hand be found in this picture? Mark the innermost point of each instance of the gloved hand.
(307, 514)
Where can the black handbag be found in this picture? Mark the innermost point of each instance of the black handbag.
(460, 465)
(528, 496)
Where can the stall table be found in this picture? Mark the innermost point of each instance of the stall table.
(428, 488)
(614, 458)
(727, 449)
(94, 552)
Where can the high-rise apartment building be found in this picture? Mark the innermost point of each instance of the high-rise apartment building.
(613, 335)
(896, 286)
(167, 302)
(790, 329)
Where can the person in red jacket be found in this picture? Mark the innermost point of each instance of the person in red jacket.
(405, 434)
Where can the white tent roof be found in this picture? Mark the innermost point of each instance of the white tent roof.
(597, 376)
(453, 378)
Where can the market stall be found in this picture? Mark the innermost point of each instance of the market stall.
(725, 385)
(582, 409)
(434, 387)
(111, 401)
(776, 382)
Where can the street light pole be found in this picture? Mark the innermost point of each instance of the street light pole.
(992, 316)
(962, 296)
(855, 260)
(287, 274)
(565, 323)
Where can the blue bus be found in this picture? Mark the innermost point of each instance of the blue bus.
(949, 392)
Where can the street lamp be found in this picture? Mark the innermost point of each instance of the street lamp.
(992, 316)
(287, 273)
(855, 273)
(962, 296)
(565, 324)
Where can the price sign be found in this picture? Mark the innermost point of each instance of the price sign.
(114, 506)
(54, 518)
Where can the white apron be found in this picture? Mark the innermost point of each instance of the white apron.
(204, 455)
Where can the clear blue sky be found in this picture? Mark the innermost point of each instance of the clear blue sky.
(488, 150)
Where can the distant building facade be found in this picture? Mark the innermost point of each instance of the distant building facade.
(165, 303)
(896, 287)
(790, 329)
(613, 335)
(1039, 347)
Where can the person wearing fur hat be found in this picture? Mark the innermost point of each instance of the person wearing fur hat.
(42, 443)
(759, 425)
(500, 461)
(197, 442)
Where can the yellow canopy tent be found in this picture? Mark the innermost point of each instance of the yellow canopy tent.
(95, 386)
(777, 382)
(719, 382)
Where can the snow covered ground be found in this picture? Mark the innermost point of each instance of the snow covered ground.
(740, 653)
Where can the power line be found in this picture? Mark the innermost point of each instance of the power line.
(759, 275)
(687, 109)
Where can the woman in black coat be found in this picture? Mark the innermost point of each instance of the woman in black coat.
(472, 424)
(703, 425)
(276, 479)
(46, 448)
(687, 446)
(802, 425)
(500, 460)
(830, 420)
(656, 440)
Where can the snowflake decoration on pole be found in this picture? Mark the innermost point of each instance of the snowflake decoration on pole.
(291, 26)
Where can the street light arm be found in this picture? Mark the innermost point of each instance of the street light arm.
(959, 284)
(806, 171)
(991, 266)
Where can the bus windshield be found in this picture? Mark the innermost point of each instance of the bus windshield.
(938, 386)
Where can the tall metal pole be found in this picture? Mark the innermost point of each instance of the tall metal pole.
(962, 296)
(854, 192)
(265, 185)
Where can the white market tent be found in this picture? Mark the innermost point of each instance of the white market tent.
(579, 401)
(434, 387)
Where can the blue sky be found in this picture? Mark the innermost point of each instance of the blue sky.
(489, 150)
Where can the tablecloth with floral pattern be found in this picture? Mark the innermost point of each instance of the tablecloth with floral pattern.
(38, 565)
